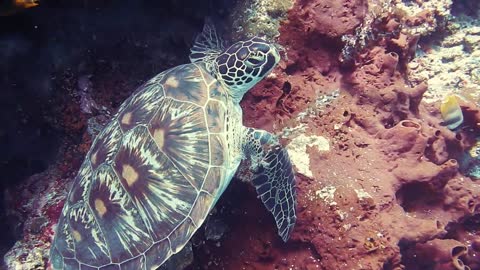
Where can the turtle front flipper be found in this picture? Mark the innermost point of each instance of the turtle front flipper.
(273, 177)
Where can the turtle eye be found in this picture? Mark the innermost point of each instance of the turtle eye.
(255, 59)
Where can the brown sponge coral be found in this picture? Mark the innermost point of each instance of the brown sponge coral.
(437, 254)
(402, 140)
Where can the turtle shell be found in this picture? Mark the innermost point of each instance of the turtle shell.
(150, 177)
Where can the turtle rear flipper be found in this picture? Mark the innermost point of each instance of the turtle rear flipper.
(208, 45)
(274, 178)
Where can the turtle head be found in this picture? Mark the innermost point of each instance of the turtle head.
(245, 63)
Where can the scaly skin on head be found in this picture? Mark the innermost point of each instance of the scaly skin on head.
(244, 64)
(239, 67)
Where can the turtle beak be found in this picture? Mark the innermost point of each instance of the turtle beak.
(273, 57)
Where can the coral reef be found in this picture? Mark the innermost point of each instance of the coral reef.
(382, 183)
(396, 22)
(423, 17)
(390, 179)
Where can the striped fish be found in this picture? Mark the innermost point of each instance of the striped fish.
(451, 112)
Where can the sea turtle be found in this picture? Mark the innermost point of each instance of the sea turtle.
(159, 166)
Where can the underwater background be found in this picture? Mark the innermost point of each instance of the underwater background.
(377, 103)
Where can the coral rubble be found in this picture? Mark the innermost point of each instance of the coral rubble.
(451, 64)
(258, 17)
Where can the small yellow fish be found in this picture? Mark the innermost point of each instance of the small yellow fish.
(11, 7)
(451, 112)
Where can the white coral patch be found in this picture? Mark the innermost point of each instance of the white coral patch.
(297, 150)
(327, 194)
(362, 194)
